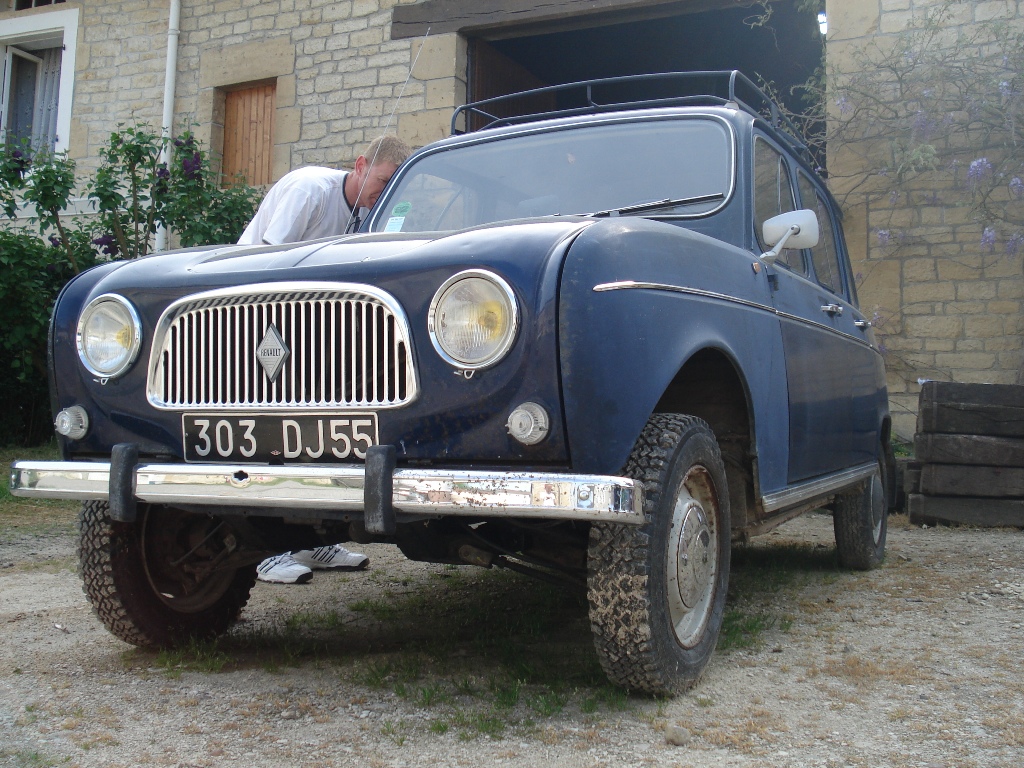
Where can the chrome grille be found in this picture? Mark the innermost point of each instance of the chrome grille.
(348, 347)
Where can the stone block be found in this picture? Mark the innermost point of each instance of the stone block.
(972, 361)
(1004, 307)
(287, 125)
(246, 62)
(424, 127)
(935, 327)
(436, 57)
(371, 36)
(939, 345)
(958, 270)
(852, 19)
(919, 270)
(975, 290)
(994, 9)
(917, 292)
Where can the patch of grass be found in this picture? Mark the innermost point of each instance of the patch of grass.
(743, 630)
(32, 517)
(27, 759)
(197, 656)
(381, 610)
(547, 703)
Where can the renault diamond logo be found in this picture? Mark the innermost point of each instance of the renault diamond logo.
(272, 353)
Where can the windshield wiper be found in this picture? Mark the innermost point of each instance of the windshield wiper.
(668, 202)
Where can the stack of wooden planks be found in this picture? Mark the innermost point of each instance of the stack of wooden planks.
(969, 455)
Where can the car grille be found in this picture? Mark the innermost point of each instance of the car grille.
(347, 347)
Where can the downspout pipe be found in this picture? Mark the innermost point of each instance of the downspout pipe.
(170, 81)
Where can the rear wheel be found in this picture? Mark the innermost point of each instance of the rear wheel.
(163, 580)
(657, 591)
(860, 519)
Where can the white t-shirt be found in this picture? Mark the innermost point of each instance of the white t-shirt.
(305, 204)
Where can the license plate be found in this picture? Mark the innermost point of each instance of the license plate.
(263, 439)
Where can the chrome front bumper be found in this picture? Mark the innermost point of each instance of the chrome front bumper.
(339, 491)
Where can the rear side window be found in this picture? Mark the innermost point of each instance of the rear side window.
(773, 194)
(824, 255)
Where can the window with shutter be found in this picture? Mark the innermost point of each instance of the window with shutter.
(38, 58)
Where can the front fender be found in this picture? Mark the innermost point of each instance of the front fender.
(622, 345)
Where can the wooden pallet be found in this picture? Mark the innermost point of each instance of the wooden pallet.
(968, 455)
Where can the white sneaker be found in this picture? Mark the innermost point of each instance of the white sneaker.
(282, 569)
(333, 557)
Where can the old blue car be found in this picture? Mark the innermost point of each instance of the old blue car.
(596, 343)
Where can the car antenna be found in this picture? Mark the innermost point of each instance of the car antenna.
(352, 217)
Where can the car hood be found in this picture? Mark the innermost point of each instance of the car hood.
(342, 258)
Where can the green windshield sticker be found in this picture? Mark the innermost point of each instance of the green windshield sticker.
(401, 209)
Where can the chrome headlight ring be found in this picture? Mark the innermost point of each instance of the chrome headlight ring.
(473, 319)
(109, 336)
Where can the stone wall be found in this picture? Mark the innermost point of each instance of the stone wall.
(338, 74)
(947, 307)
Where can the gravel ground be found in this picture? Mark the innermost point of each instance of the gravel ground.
(407, 664)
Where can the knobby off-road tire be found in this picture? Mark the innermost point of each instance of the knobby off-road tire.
(146, 582)
(657, 591)
(860, 518)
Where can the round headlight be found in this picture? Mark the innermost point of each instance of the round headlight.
(109, 336)
(473, 319)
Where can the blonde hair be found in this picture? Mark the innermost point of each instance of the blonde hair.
(387, 149)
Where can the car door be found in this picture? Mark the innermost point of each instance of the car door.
(825, 351)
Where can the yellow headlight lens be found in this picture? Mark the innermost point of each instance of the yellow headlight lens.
(473, 319)
(109, 336)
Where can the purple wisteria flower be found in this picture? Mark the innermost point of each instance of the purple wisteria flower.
(978, 170)
(107, 244)
(988, 239)
(54, 241)
(894, 197)
(1005, 89)
(1017, 186)
(884, 237)
(844, 105)
(923, 124)
(1014, 244)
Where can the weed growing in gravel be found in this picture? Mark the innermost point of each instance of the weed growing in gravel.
(197, 656)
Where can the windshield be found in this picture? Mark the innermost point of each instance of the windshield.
(582, 169)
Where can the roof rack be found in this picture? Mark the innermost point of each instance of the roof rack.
(711, 88)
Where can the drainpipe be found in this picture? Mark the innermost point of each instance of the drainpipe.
(170, 79)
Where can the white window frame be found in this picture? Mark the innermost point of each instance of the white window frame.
(63, 22)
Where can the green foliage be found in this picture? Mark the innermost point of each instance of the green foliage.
(134, 191)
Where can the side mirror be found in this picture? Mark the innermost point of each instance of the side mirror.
(796, 229)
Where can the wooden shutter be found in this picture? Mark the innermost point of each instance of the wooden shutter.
(249, 134)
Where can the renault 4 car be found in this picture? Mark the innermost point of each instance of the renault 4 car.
(597, 341)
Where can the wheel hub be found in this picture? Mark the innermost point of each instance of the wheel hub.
(692, 564)
(695, 559)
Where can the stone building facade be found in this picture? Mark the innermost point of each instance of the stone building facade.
(334, 71)
(947, 304)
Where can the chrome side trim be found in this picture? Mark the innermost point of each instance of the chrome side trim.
(622, 285)
(272, 491)
(821, 486)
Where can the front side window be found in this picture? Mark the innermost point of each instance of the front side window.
(773, 194)
(583, 169)
(824, 255)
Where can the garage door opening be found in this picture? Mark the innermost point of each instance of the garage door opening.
(784, 50)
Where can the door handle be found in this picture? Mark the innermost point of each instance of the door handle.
(862, 324)
(832, 309)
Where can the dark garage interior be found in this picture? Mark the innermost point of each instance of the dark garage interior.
(784, 49)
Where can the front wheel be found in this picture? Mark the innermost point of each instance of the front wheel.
(164, 580)
(657, 591)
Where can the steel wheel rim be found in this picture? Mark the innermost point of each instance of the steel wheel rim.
(693, 558)
(169, 583)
